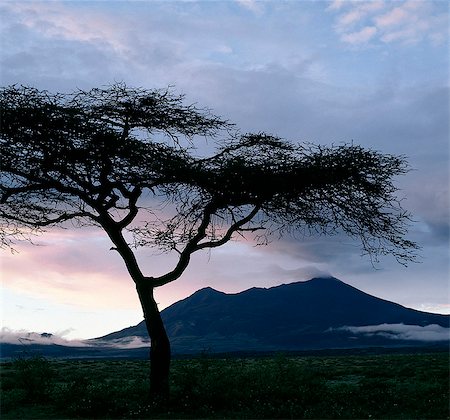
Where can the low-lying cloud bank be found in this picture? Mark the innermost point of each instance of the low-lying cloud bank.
(431, 332)
(8, 336)
(132, 342)
(22, 337)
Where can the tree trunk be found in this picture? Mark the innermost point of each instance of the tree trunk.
(160, 345)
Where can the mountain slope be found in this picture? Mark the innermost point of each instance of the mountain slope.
(301, 315)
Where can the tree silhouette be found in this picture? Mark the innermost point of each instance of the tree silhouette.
(112, 157)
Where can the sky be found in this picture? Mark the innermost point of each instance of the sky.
(372, 72)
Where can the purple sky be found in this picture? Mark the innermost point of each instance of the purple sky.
(375, 73)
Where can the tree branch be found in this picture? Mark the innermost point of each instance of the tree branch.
(132, 200)
(190, 247)
(194, 244)
(48, 222)
(8, 192)
(237, 226)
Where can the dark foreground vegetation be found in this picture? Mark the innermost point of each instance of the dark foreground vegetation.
(395, 386)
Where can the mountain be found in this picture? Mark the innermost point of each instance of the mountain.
(316, 314)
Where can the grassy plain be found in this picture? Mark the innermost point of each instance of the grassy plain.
(388, 386)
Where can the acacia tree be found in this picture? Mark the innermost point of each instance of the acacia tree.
(110, 157)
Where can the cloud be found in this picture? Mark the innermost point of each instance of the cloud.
(23, 337)
(427, 333)
(131, 342)
(61, 46)
(394, 17)
(360, 37)
(252, 5)
(58, 20)
(71, 266)
(156, 43)
(306, 272)
(404, 22)
(356, 14)
(335, 5)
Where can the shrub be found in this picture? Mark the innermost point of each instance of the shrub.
(33, 376)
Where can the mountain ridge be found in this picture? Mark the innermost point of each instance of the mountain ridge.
(321, 314)
(318, 313)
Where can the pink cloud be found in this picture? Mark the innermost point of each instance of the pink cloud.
(402, 22)
(394, 17)
(357, 13)
(360, 37)
(59, 20)
(350, 17)
(335, 5)
(72, 267)
(408, 35)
